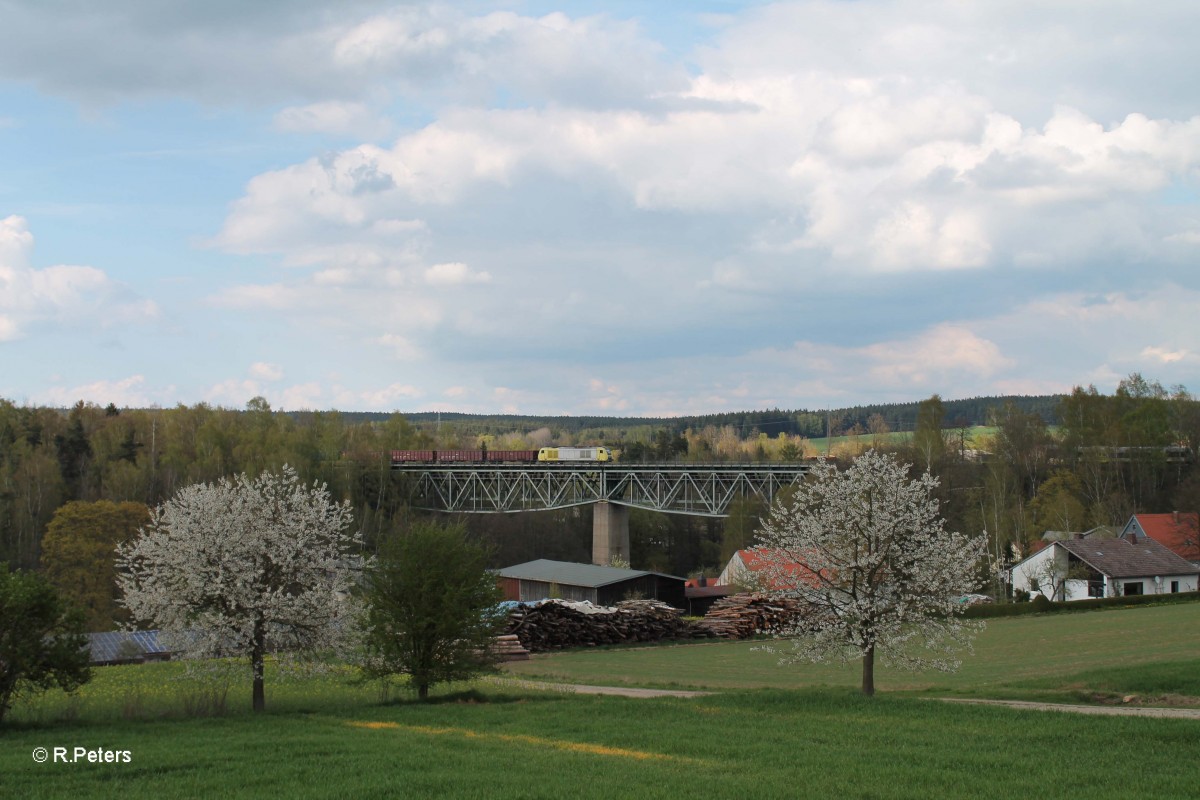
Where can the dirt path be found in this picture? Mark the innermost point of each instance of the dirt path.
(630, 691)
(574, 688)
(1114, 711)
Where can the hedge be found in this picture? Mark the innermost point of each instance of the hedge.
(988, 610)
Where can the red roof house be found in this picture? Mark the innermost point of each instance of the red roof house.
(1179, 532)
(745, 564)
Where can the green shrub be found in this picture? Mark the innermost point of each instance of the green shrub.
(989, 611)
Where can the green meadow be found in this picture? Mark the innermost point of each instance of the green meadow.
(766, 731)
(1010, 651)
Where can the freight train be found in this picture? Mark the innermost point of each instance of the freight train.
(555, 454)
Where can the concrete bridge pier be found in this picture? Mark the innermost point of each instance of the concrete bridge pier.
(610, 532)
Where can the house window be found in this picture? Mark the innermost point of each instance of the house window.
(1034, 585)
(1096, 588)
(1174, 587)
(1132, 588)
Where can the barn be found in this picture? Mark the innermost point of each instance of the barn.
(605, 586)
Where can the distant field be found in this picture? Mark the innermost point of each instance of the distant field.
(978, 438)
(811, 735)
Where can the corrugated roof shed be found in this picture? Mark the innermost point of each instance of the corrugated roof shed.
(566, 572)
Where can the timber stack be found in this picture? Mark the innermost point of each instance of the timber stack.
(555, 624)
(508, 647)
(741, 616)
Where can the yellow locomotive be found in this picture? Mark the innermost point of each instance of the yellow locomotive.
(575, 454)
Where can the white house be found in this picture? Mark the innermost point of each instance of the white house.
(1079, 568)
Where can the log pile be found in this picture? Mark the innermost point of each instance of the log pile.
(555, 624)
(508, 647)
(741, 616)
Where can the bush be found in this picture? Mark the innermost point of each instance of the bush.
(989, 611)
(41, 639)
(431, 608)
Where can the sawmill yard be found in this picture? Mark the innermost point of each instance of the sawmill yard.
(764, 731)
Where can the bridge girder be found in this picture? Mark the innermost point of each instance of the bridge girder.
(696, 489)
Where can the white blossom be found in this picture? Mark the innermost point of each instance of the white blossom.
(245, 568)
(865, 555)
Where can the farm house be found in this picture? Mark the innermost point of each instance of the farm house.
(1079, 568)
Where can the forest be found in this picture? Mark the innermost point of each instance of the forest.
(74, 482)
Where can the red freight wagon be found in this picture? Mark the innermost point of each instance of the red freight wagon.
(406, 456)
(512, 455)
(463, 456)
(459, 456)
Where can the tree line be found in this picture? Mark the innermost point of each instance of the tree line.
(1092, 459)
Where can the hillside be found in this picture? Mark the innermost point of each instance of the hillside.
(968, 412)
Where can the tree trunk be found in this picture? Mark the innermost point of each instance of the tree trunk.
(256, 662)
(423, 691)
(868, 680)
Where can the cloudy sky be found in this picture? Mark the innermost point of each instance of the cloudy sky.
(595, 207)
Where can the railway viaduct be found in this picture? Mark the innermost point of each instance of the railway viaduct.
(610, 488)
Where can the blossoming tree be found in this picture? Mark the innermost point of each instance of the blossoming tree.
(245, 568)
(865, 556)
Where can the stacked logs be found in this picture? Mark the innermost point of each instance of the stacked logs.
(741, 616)
(508, 647)
(555, 624)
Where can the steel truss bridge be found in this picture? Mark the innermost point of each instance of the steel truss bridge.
(611, 489)
(698, 489)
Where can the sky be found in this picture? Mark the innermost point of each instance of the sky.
(582, 208)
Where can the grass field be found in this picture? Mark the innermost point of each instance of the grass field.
(1010, 651)
(808, 735)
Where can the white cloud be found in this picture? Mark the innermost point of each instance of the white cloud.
(273, 296)
(944, 355)
(304, 396)
(970, 193)
(59, 296)
(263, 371)
(128, 392)
(390, 397)
(937, 354)
(8, 329)
(454, 274)
(1164, 355)
(234, 392)
(606, 397)
(904, 189)
(333, 117)
(1185, 237)
(270, 52)
(402, 347)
